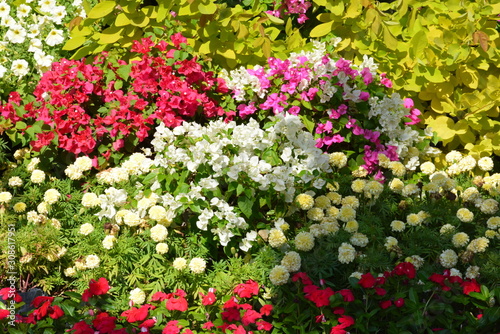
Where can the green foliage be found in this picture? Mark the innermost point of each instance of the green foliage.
(443, 53)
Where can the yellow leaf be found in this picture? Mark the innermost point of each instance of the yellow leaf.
(468, 76)
(443, 126)
(122, 20)
(322, 29)
(74, 43)
(389, 40)
(101, 9)
(207, 9)
(110, 35)
(354, 9)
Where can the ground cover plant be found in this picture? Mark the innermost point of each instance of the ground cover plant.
(155, 181)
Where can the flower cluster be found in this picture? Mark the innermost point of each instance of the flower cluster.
(292, 7)
(339, 97)
(108, 103)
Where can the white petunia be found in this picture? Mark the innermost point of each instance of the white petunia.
(54, 37)
(20, 67)
(16, 34)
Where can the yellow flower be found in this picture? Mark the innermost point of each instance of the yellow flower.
(351, 226)
(304, 241)
(398, 226)
(19, 207)
(338, 159)
(358, 185)
(322, 202)
(347, 213)
(460, 239)
(334, 197)
(478, 245)
(179, 263)
(315, 214)
(276, 238)
(465, 215)
(304, 201)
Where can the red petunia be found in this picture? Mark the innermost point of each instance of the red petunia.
(96, 288)
(104, 323)
(250, 316)
(347, 295)
(264, 325)
(471, 286)
(82, 328)
(208, 299)
(5, 293)
(179, 304)
(400, 302)
(55, 312)
(4, 314)
(385, 304)
(266, 309)
(248, 289)
(138, 314)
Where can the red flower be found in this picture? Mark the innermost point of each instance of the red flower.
(4, 314)
(347, 295)
(172, 328)
(338, 310)
(148, 323)
(231, 314)
(367, 281)
(399, 302)
(266, 309)
(471, 286)
(137, 314)
(380, 291)
(177, 39)
(344, 322)
(55, 312)
(208, 325)
(179, 304)
(405, 268)
(247, 290)
(302, 277)
(250, 316)
(385, 304)
(82, 328)
(6, 292)
(208, 299)
(160, 296)
(104, 323)
(264, 325)
(96, 288)
(321, 297)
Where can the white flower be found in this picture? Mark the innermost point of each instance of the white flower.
(179, 263)
(448, 258)
(197, 265)
(279, 275)
(485, 164)
(54, 37)
(83, 163)
(161, 248)
(20, 67)
(15, 181)
(4, 10)
(108, 241)
(16, 34)
(86, 229)
(90, 200)
(427, 168)
(33, 31)
(5, 197)
(137, 296)
(291, 261)
(159, 233)
(73, 172)
(347, 253)
(3, 70)
(92, 261)
(23, 10)
(51, 196)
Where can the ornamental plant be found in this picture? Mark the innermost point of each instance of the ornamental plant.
(346, 105)
(108, 106)
(34, 32)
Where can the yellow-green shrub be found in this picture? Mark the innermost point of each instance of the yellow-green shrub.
(443, 53)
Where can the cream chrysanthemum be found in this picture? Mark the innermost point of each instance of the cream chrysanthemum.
(358, 185)
(489, 206)
(92, 261)
(397, 168)
(86, 229)
(279, 275)
(276, 238)
(304, 241)
(159, 233)
(338, 159)
(15, 181)
(291, 261)
(19, 207)
(108, 241)
(448, 258)
(472, 272)
(413, 219)
(398, 226)
(493, 223)
(161, 248)
(351, 226)
(334, 197)
(347, 213)
(315, 214)
(5, 197)
(410, 189)
(485, 164)
(179, 263)
(427, 168)
(359, 239)
(460, 239)
(465, 215)
(322, 202)
(37, 176)
(137, 296)
(396, 185)
(90, 200)
(51, 196)
(478, 245)
(347, 253)
(390, 243)
(447, 228)
(351, 201)
(197, 265)
(304, 201)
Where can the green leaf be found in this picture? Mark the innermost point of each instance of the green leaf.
(101, 9)
(74, 42)
(208, 9)
(245, 204)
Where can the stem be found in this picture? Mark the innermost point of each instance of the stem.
(428, 301)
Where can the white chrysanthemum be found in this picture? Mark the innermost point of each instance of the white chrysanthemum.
(92, 261)
(390, 242)
(159, 233)
(137, 296)
(430, 188)
(472, 272)
(448, 258)
(397, 168)
(410, 189)
(427, 168)
(455, 272)
(179, 263)
(338, 159)
(359, 239)
(304, 201)
(447, 228)
(347, 253)
(470, 194)
(90, 200)
(15, 181)
(330, 225)
(356, 274)
(485, 164)
(37, 176)
(465, 215)
(489, 206)
(398, 226)
(5, 197)
(86, 229)
(161, 248)
(490, 234)
(414, 219)
(51, 196)
(304, 241)
(358, 185)
(373, 189)
(322, 202)
(279, 275)
(478, 245)
(197, 265)
(108, 241)
(467, 164)
(460, 239)
(291, 261)
(351, 201)
(276, 238)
